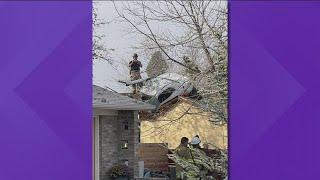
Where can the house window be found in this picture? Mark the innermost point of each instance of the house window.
(124, 144)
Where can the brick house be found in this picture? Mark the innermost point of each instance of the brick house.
(116, 133)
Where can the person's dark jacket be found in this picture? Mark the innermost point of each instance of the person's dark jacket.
(135, 65)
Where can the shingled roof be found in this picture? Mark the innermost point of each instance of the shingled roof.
(106, 99)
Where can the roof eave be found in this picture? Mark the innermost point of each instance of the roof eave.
(133, 108)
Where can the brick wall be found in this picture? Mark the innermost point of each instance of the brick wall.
(127, 117)
(115, 130)
(108, 137)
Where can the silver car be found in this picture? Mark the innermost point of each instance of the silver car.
(164, 88)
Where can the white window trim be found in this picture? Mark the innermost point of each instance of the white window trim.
(95, 146)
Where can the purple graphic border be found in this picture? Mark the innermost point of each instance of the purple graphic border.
(45, 94)
(274, 90)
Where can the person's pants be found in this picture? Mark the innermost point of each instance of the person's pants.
(134, 75)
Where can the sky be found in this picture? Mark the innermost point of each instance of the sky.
(118, 39)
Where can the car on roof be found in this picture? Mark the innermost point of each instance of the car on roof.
(164, 88)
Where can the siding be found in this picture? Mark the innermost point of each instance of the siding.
(174, 124)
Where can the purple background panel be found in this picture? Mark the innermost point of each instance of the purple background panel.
(274, 90)
(45, 94)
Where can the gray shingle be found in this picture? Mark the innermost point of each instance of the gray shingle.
(106, 99)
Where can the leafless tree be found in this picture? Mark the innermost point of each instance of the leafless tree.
(99, 50)
(180, 29)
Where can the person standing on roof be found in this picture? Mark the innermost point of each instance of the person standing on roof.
(135, 66)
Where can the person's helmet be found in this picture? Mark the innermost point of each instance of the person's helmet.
(135, 55)
(195, 140)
